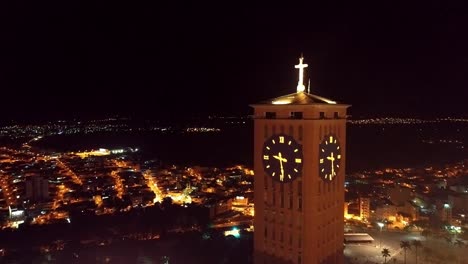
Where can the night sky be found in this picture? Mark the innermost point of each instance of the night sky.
(68, 59)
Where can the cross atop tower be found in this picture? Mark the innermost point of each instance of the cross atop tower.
(301, 66)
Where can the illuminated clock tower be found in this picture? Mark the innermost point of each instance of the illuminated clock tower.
(299, 163)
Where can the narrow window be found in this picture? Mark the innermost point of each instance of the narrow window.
(296, 115)
(270, 115)
(322, 115)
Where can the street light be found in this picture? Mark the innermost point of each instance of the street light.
(380, 225)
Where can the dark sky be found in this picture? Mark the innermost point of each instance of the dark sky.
(70, 59)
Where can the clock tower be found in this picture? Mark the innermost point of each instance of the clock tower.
(299, 163)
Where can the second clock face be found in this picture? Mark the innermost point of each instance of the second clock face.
(329, 157)
(282, 158)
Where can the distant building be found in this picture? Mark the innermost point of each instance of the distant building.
(444, 211)
(240, 201)
(364, 208)
(16, 214)
(409, 210)
(459, 202)
(37, 188)
(459, 188)
(219, 207)
(346, 205)
(358, 238)
(441, 184)
(399, 216)
(386, 211)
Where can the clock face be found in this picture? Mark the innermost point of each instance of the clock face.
(329, 158)
(282, 158)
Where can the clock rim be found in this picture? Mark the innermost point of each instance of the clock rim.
(322, 142)
(301, 153)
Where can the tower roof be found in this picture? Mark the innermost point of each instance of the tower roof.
(299, 98)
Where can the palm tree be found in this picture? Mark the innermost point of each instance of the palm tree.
(416, 244)
(385, 254)
(405, 245)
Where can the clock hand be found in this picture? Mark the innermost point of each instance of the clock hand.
(282, 170)
(281, 160)
(333, 167)
(332, 159)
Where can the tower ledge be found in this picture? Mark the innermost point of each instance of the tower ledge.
(299, 98)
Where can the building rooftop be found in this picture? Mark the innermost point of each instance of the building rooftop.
(298, 98)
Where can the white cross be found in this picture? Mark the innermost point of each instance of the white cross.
(300, 83)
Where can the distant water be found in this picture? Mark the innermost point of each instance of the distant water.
(369, 147)
(230, 147)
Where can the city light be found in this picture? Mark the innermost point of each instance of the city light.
(234, 232)
(380, 225)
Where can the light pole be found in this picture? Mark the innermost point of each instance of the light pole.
(380, 235)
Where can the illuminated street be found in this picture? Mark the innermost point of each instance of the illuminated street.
(371, 253)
